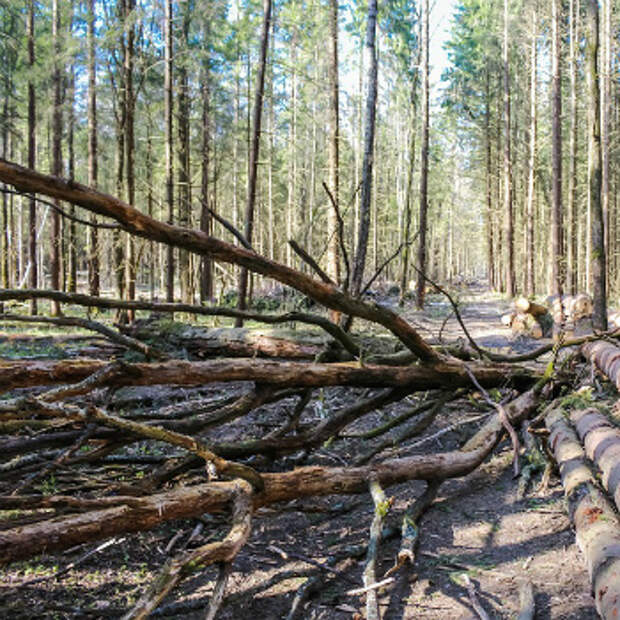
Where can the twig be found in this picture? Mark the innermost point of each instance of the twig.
(382, 505)
(72, 565)
(6, 190)
(220, 589)
(527, 603)
(370, 588)
(410, 532)
(110, 334)
(501, 412)
(310, 261)
(229, 227)
(387, 261)
(343, 248)
(473, 598)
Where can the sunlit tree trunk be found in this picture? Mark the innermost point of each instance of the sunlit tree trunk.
(530, 286)
(508, 207)
(32, 154)
(421, 283)
(169, 143)
(571, 246)
(594, 137)
(557, 250)
(254, 152)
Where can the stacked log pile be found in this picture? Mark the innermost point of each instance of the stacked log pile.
(528, 319)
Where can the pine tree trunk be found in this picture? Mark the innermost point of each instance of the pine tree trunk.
(508, 207)
(333, 251)
(183, 174)
(557, 250)
(599, 317)
(169, 144)
(530, 286)
(572, 247)
(420, 281)
(32, 154)
(258, 109)
(72, 241)
(56, 153)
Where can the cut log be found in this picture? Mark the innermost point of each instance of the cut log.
(508, 318)
(596, 523)
(601, 440)
(606, 357)
(525, 306)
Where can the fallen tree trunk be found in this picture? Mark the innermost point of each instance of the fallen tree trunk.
(17, 374)
(136, 223)
(140, 513)
(596, 523)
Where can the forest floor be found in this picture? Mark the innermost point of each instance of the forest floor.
(476, 527)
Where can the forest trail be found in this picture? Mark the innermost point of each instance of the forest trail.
(477, 526)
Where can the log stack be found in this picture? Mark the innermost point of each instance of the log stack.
(572, 314)
(528, 319)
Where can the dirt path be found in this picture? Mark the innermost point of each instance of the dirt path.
(477, 526)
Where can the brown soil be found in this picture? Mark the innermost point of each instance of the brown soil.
(476, 527)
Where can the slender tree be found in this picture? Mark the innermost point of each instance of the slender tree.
(56, 152)
(169, 143)
(557, 250)
(32, 154)
(571, 235)
(333, 253)
(530, 286)
(258, 109)
(369, 141)
(599, 317)
(420, 281)
(508, 206)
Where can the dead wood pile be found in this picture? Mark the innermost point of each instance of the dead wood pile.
(71, 417)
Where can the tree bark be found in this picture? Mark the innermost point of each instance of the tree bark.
(572, 248)
(530, 286)
(253, 172)
(369, 141)
(56, 153)
(557, 250)
(420, 281)
(598, 260)
(32, 154)
(508, 207)
(333, 246)
(169, 144)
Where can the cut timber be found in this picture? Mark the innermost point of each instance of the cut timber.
(14, 374)
(526, 325)
(606, 357)
(601, 440)
(508, 318)
(525, 306)
(596, 523)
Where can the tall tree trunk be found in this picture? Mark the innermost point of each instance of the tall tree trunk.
(530, 286)
(572, 249)
(32, 155)
(420, 282)
(488, 178)
(333, 252)
(72, 241)
(93, 237)
(56, 153)
(183, 174)
(557, 250)
(594, 137)
(508, 214)
(206, 264)
(605, 93)
(169, 143)
(258, 108)
(130, 110)
(369, 140)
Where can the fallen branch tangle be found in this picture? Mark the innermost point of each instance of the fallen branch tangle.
(217, 454)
